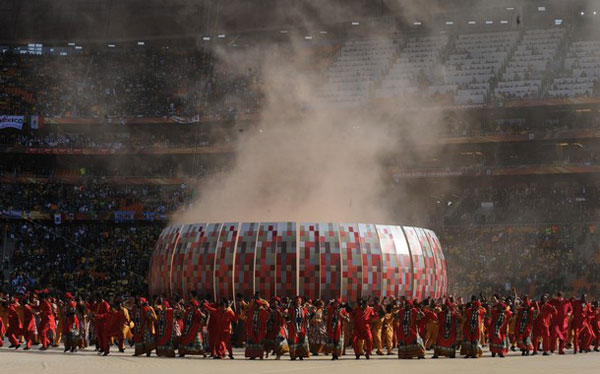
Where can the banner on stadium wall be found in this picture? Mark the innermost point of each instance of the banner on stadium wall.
(12, 122)
(124, 216)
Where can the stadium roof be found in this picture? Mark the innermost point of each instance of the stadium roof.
(112, 20)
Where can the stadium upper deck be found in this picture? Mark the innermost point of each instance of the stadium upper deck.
(503, 66)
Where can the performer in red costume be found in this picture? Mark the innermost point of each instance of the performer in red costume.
(148, 330)
(276, 336)
(447, 335)
(595, 322)
(28, 324)
(71, 326)
(586, 333)
(136, 318)
(542, 325)
(410, 342)
(335, 333)
(559, 327)
(472, 329)
(210, 327)
(524, 326)
(191, 336)
(2, 331)
(579, 322)
(47, 322)
(498, 326)
(223, 316)
(118, 322)
(165, 329)
(297, 330)
(13, 332)
(256, 328)
(101, 315)
(361, 329)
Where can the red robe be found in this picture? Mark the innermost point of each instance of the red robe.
(472, 330)
(70, 326)
(524, 326)
(210, 326)
(2, 331)
(297, 329)
(361, 330)
(256, 330)
(256, 324)
(102, 314)
(407, 328)
(71, 319)
(136, 318)
(361, 319)
(595, 322)
(542, 326)
(191, 335)
(497, 333)
(334, 323)
(14, 325)
(588, 334)
(278, 324)
(28, 321)
(447, 334)
(148, 319)
(579, 309)
(165, 344)
(47, 322)
(559, 328)
(472, 327)
(115, 322)
(547, 311)
(410, 343)
(582, 329)
(222, 329)
(297, 326)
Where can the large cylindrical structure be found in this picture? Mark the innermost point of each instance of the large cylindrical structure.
(315, 260)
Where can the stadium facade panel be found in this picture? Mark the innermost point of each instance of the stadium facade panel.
(314, 260)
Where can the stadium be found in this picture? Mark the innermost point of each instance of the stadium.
(163, 160)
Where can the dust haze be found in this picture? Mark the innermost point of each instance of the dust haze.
(308, 160)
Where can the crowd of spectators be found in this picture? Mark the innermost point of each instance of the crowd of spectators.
(526, 204)
(108, 258)
(92, 198)
(149, 82)
(532, 258)
(116, 140)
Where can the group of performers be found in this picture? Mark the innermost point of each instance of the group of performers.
(301, 328)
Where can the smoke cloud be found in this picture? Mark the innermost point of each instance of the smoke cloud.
(308, 160)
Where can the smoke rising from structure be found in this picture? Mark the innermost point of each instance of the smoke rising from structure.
(308, 160)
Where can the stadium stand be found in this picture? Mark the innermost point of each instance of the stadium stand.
(581, 71)
(353, 73)
(111, 164)
(475, 64)
(530, 62)
(413, 68)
